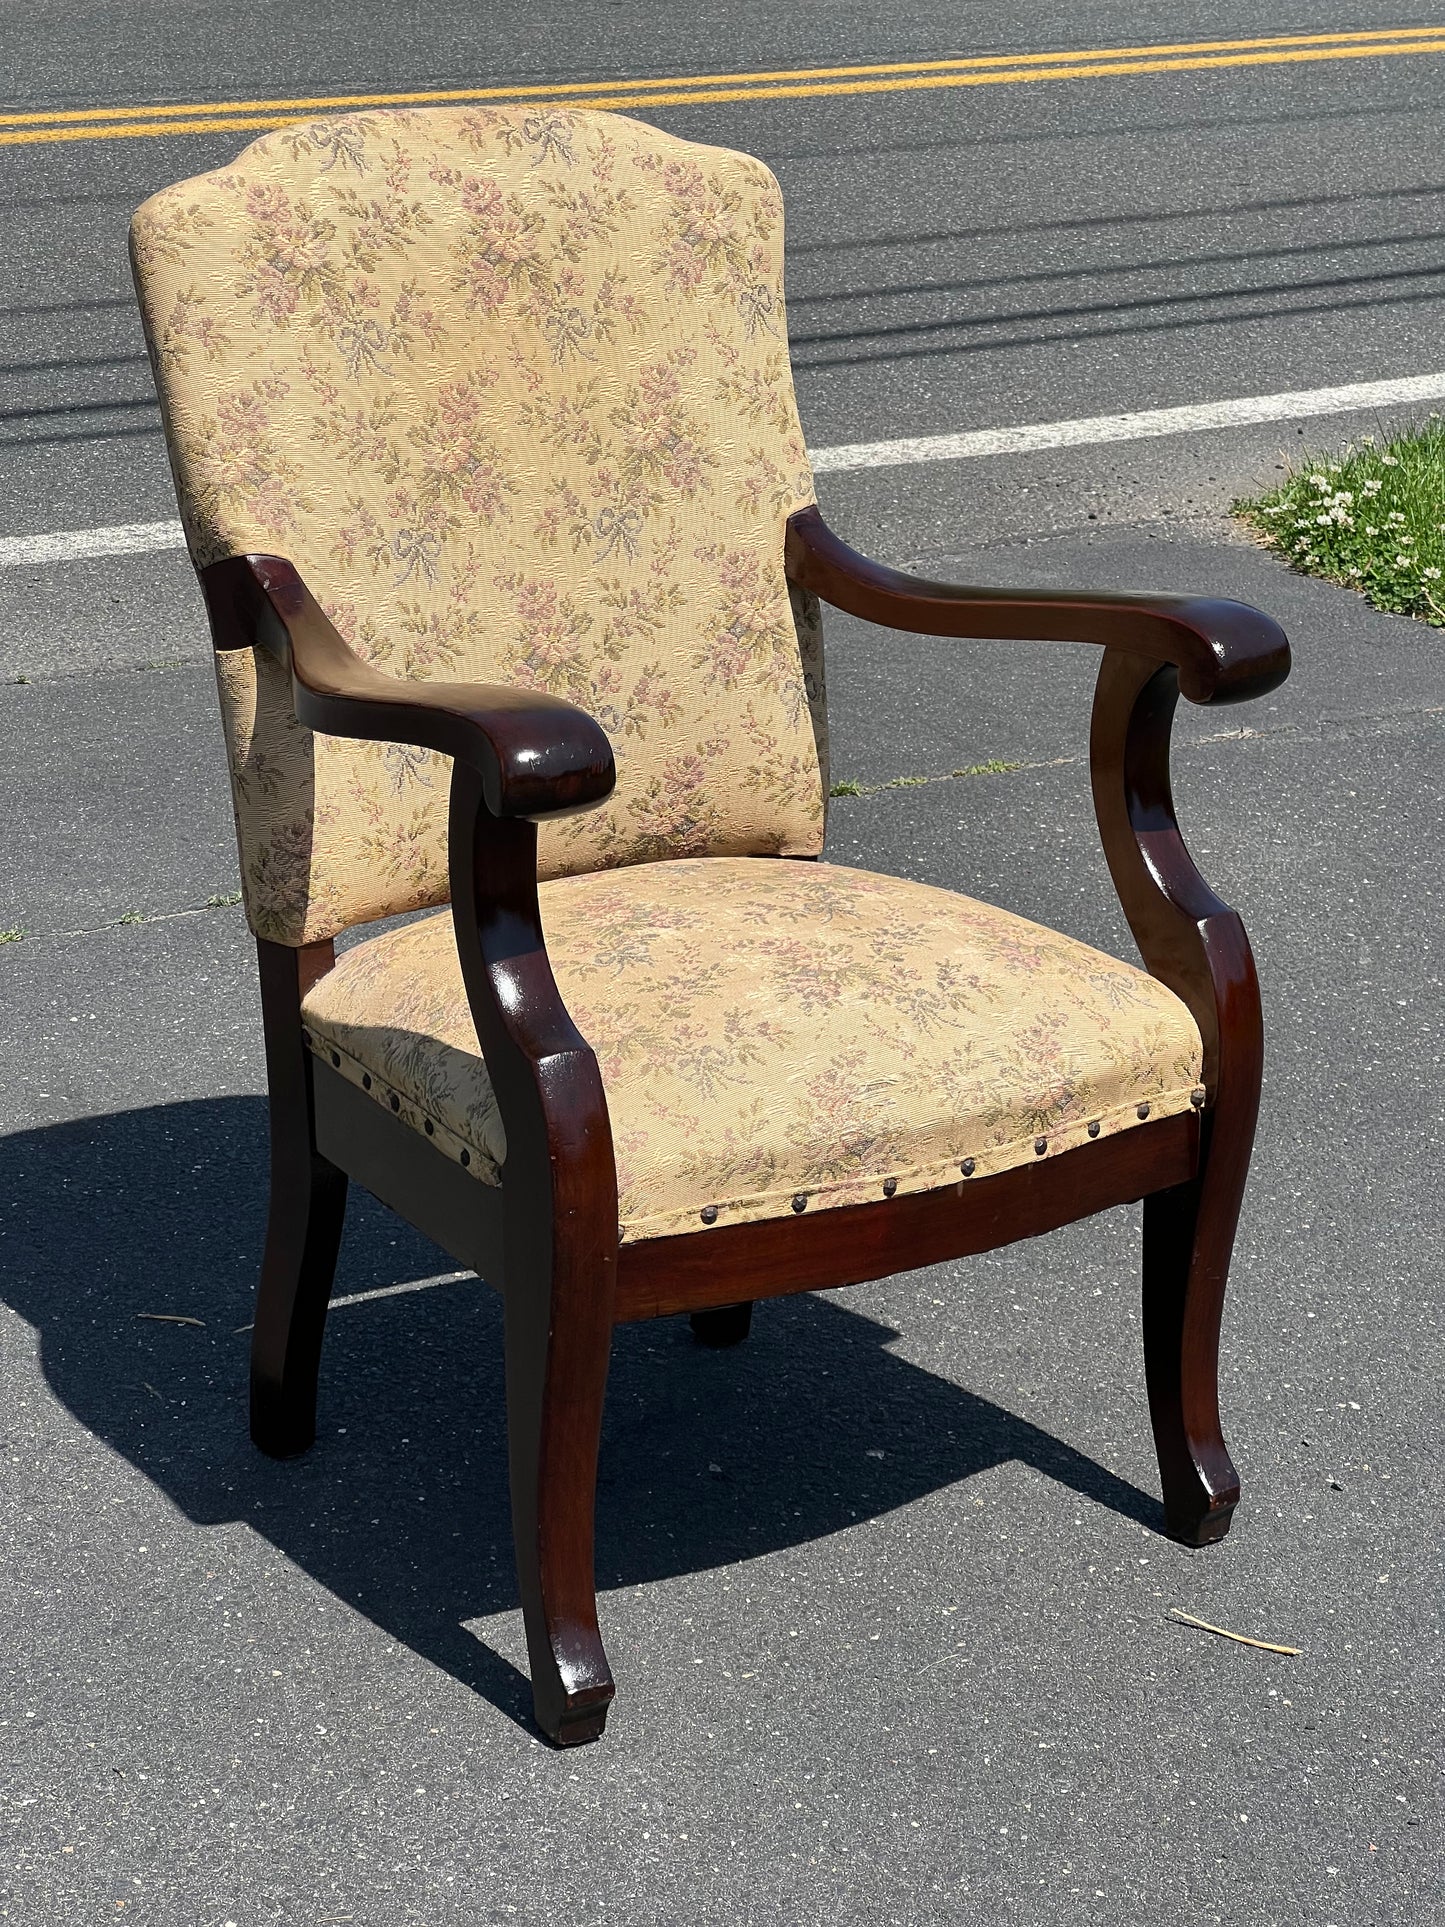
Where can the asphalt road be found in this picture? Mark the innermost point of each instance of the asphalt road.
(884, 1589)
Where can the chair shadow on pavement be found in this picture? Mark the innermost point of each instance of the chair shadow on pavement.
(401, 1509)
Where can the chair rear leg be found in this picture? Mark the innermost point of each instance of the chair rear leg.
(723, 1324)
(303, 1229)
(556, 1380)
(303, 1236)
(1188, 1238)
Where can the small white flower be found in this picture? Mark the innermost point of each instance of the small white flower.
(1403, 561)
(1373, 486)
(1433, 574)
(1370, 529)
(1319, 481)
(1390, 461)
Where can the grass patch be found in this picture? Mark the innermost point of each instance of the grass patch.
(16, 934)
(222, 899)
(1371, 517)
(994, 767)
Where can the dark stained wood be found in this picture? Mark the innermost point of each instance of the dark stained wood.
(1196, 945)
(1224, 651)
(535, 754)
(724, 1325)
(549, 1236)
(303, 1226)
(856, 1242)
(406, 1171)
(559, 1231)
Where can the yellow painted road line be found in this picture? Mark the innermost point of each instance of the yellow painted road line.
(895, 77)
(582, 87)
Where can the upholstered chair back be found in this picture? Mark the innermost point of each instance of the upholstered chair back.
(512, 392)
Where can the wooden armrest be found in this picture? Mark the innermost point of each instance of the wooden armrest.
(534, 754)
(1224, 651)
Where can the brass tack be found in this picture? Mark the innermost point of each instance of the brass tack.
(967, 1167)
(1196, 1097)
(1143, 1111)
(366, 1080)
(466, 1157)
(395, 1102)
(800, 1202)
(890, 1185)
(336, 1058)
(1093, 1127)
(1041, 1144)
(428, 1127)
(708, 1214)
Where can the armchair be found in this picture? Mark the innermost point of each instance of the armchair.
(485, 443)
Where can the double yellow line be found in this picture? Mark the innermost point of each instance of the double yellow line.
(989, 70)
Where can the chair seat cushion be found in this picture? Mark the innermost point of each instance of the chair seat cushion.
(771, 1031)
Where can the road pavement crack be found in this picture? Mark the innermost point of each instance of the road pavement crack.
(1329, 728)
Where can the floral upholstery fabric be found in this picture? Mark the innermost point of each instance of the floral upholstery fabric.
(772, 1030)
(511, 389)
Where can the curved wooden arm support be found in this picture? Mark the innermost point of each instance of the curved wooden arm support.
(1224, 651)
(1187, 937)
(1155, 648)
(536, 755)
(559, 1233)
(1196, 945)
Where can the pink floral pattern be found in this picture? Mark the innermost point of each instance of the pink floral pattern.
(511, 389)
(767, 1030)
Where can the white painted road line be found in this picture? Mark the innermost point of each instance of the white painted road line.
(79, 545)
(400, 1291)
(136, 538)
(1293, 403)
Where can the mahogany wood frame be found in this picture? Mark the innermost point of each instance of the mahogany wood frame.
(548, 1235)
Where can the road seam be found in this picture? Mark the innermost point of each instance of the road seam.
(1351, 728)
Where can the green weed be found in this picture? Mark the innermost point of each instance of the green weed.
(1372, 518)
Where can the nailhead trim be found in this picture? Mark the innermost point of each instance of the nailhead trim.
(395, 1102)
(466, 1155)
(890, 1185)
(366, 1080)
(1196, 1098)
(800, 1202)
(1093, 1127)
(336, 1058)
(708, 1214)
(1142, 1112)
(428, 1127)
(967, 1167)
(1041, 1144)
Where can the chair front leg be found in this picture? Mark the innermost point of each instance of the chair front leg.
(560, 1237)
(1197, 945)
(304, 1222)
(1188, 1234)
(558, 1344)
